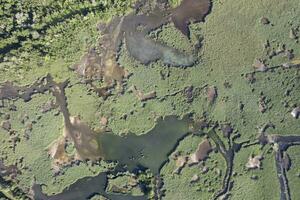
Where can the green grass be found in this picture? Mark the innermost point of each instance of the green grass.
(233, 38)
(294, 173)
(265, 187)
(179, 186)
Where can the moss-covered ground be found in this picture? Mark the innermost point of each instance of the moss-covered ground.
(180, 185)
(294, 172)
(258, 183)
(233, 36)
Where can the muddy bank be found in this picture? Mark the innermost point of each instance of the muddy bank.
(149, 150)
(137, 27)
(131, 152)
(133, 30)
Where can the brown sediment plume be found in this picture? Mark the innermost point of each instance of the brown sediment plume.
(89, 65)
(101, 63)
(83, 138)
(75, 131)
(57, 152)
(105, 68)
(95, 66)
(80, 142)
(133, 29)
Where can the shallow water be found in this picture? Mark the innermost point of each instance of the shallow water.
(132, 152)
(86, 188)
(150, 150)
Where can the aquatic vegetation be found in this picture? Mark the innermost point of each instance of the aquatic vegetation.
(136, 27)
(103, 65)
(223, 89)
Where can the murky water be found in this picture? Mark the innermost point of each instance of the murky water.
(132, 152)
(85, 188)
(150, 150)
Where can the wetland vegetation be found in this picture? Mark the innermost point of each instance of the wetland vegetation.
(178, 99)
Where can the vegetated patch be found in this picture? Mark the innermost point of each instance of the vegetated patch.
(133, 152)
(132, 30)
(147, 150)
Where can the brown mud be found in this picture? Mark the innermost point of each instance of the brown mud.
(132, 30)
(131, 152)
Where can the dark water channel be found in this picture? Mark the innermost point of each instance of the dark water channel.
(85, 188)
